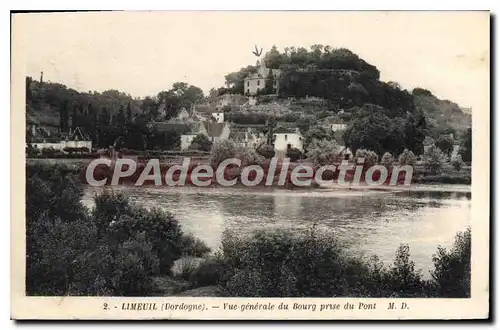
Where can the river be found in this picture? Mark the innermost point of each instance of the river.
(367, 222)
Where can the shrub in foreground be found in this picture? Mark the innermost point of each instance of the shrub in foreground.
(282, 264)
(116, 249)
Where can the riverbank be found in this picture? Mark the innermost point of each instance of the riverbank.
(420, 176)
(123, 249)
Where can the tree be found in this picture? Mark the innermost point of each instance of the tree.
(457, 162)
(226, 149)
(235, 80)
(466, 146)
(64, 117)
(323, 152)
(372, 132)
(269, 87)
(433, 159)
(294, 154)
(369, 157)
(266, 151)
(387, 160)
(316, 133)
(445, 143)
(407, 157)
(201, 142)
(129, 113)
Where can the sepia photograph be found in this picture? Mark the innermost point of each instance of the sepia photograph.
(206, 164)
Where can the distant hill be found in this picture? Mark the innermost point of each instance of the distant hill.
(44, 101)
(442, 115)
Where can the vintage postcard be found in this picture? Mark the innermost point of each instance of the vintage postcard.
(250, 165)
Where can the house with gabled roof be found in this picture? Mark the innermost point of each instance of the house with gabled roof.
(250, 137)
(334, 124)
(75, 138)
(255, 83)
(287, 138)
(212, 130)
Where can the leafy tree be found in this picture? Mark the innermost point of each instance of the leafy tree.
(466, 147)
(387, 160)
(445, 143)
(433, 159)
(269, 87)
(457, 162)
(323, 152)
(372, 131)
(114, 250)
(369, 157)
(316, 133)
(129, 113)
(201, 142)
(407, 157)
(225, 149)
(294, 154)
(235, 80)
(266, 151)
(452, 269)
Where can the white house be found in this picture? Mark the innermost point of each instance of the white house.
(74, 139)
(219, 116)
(212, 130)
(256, 82)
(249, 138)
(334, 124)
(186, 140)
(285, 139)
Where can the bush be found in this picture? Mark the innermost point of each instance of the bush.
(407, 157)
(283, 264)
(369, 157)
(192, 246)
(457, 162)
(209, 272)
(184, 267)
(387, 160)
(114, 250)
(76, 150)
(31, 151)
(323, 152)
(227, 149)
(445, 178)
(433, 159)
(453, 269)
(466, 146)
(222, 150)
(133, 267)
(445, 143)
(280, 264)
(249, 156)
(201, 142)
(294, 154)
(266, 151)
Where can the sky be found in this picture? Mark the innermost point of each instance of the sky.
(142, 53)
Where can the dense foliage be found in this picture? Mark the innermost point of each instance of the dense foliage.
(434, 159)
(110, 117)
(227, 149)
(283, 264)
(466, 147)
(113, 249)
(376, 128)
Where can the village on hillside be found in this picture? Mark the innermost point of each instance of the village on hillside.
(324, 111)
(285, 172)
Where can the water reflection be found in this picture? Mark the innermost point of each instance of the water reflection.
(367, 222)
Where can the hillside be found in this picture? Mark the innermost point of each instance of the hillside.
(442, 115)
(45, 100)
(341, 80)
